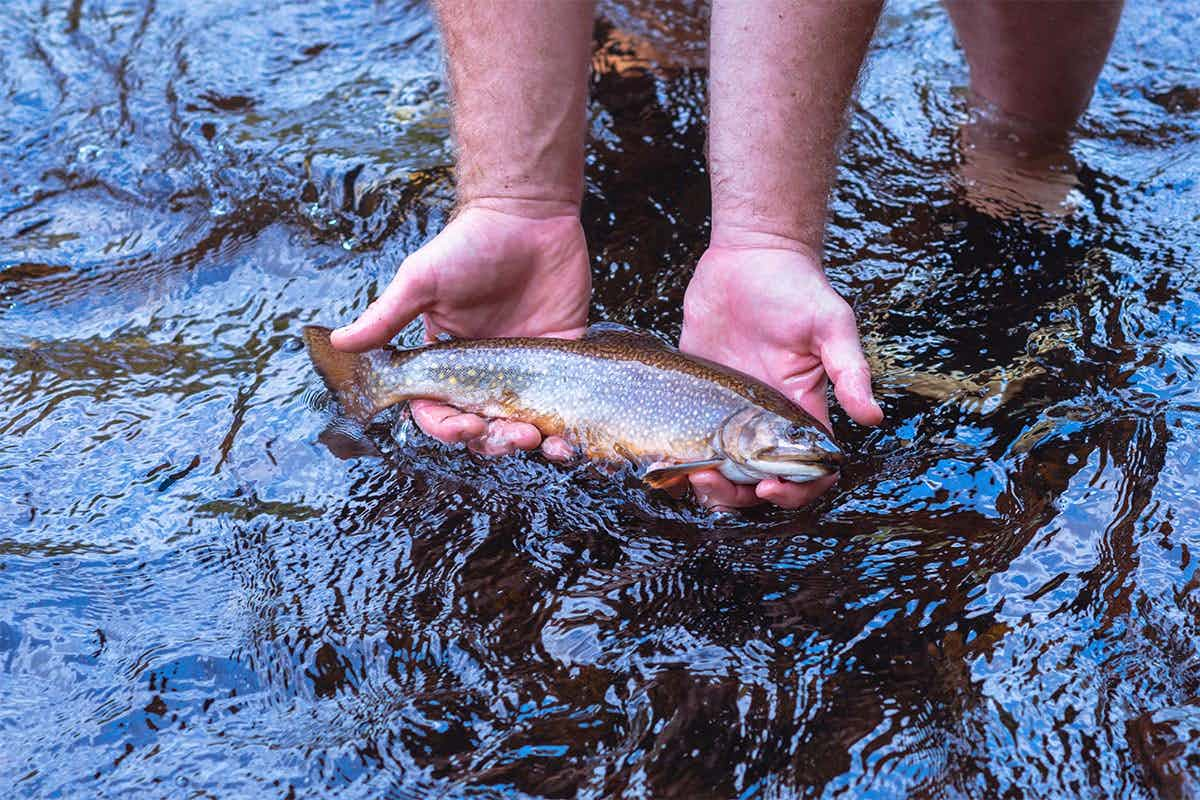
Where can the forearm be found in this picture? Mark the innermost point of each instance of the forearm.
(518, 75)
(781, 73)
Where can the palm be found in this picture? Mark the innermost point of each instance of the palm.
(488, 273)
(772, 314)
(760, 322)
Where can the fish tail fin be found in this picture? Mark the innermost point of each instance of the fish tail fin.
(352, 377)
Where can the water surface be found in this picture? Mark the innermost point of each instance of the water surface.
(201, 596)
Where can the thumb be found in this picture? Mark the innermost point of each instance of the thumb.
(842, 357)
(408, 295)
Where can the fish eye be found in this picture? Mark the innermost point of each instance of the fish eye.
(794, 433)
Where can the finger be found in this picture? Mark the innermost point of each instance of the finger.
(407, 296)
(505, 436)
(556, 448)
(842, 357)
(807, 389)
(714, 489)
(853, 391)
(792, 495)
(447, 422)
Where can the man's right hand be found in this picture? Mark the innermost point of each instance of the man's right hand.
(501, 267)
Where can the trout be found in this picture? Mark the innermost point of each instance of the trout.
(615, 395)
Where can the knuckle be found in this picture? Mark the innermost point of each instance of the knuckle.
(844, 314)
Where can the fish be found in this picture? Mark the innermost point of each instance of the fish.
(618, 396)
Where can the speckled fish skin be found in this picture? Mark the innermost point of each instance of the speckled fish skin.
(614, 395)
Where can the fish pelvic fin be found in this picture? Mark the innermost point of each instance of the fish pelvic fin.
(665, 475)
(352, 377)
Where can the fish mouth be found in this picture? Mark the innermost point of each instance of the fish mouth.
(830, 460)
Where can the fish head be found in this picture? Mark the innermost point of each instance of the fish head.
(762, 443)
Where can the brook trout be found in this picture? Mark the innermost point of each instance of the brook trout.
(614, 395)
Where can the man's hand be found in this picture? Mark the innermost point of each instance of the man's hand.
(769, 311)
(513, 261)
(499, 268)
(780, 76)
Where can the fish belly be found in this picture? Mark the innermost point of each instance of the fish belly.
(735, 473)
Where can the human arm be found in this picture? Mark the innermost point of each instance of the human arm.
(780, 77)
(512, 261)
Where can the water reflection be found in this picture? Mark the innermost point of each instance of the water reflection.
(206, 587)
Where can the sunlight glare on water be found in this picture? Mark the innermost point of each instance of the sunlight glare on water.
(207, 590)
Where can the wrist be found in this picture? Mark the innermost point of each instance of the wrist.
(739, 236)
(531, 208)
(546, 180)
(531, 189)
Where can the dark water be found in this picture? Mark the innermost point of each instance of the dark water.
(199, 599)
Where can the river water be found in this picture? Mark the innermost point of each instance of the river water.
(209, 587)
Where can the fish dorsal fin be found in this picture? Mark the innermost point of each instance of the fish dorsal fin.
(618, 334)
(662, 475)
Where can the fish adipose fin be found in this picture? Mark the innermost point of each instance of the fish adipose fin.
(350, 376)
(663, 475)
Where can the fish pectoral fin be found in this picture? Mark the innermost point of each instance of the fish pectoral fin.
(664, 474)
